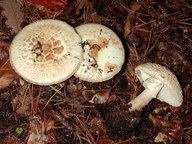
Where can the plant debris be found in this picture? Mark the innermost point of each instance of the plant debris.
(11, 10)
(79, 112)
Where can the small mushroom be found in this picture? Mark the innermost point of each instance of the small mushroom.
(46, 52)
(103, 54)
(160, 83)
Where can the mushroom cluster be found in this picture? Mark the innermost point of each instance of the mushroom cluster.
(50, 51)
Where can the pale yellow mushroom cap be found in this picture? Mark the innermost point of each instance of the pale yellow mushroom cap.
(46, 52)
(103, 55)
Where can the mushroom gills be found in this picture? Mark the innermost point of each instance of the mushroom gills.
(153, 87)
(167, 96)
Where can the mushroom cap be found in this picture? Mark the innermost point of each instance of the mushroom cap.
(171, 92)
(103, 55)
(46, 52)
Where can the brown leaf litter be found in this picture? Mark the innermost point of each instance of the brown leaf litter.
(151, 31)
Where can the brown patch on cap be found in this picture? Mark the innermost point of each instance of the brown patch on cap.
(46, 49)
(58, 50)
(110, 67)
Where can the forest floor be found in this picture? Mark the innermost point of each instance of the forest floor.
(156, 31)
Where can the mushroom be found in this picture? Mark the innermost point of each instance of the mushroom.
(103, 54)
(160, 83)
(46, 52)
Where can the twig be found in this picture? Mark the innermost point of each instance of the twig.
(175, 44)
(144, 24)
(129, 140)
(82, 129)
(56, 91)
(38, 99)
(148, 45)
(143, 30)
(128, 10)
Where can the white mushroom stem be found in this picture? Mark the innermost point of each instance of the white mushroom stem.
(153, 87)
(141, 100)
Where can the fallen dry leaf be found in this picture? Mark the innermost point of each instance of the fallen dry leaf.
(10, 140)
(104, 140)
(22, 105)
(134, 6)
(12, 13)
(100, 97)
(94, 18)
(37, 131)
(79, 5)
(7, 74)
(53, 5)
